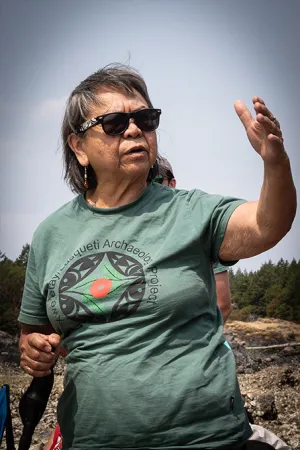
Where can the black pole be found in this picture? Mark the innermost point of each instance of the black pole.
(32, 406)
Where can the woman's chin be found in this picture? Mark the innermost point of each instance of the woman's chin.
(138, 169)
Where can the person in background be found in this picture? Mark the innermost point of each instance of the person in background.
(223, 290)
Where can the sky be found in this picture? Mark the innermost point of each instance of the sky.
(197, 57)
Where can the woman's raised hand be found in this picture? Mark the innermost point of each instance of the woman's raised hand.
(263, 132)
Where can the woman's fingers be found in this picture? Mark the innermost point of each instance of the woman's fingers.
(42, 342)
(39, 356)
(54, 339)
(36, 365)
(35, 373)
(264, 131)
(266, 118)
(39, 353)
(263, 116)
(257, 99)
(39, 341)
(39, 366)
(261, 108)
(243, 113)
(269, 125)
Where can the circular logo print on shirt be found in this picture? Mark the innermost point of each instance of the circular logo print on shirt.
(102, 287)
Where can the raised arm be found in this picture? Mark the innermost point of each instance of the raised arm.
(255, 227)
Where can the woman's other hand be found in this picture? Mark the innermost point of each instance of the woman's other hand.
(40, 348)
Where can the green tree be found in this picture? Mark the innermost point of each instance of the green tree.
(23, 257)
(239, 283)
(273, 290)
(12, 277)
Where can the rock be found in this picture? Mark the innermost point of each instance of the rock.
(272, 396)
(9, 349)
(287, 378)
(266, 406)
(245, 363)
(295, 443)
(289, 350)
(240, 369)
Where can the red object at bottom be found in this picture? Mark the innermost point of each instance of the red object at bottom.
(57, 439)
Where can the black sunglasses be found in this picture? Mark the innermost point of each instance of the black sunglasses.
(118, 122)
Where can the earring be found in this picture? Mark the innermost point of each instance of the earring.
(85, 184)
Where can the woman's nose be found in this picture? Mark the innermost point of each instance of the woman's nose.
(133, 130)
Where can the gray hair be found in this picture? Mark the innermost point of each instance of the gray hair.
(121, 77)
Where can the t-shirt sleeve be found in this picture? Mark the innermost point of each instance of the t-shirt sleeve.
(33, 306)
(219, 268)
(210, 215)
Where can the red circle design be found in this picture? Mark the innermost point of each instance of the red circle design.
(100, 288)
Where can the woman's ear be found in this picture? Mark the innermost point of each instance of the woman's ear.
(172, 183)
(75, 144)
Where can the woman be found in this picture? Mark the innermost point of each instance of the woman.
(165, 176)
(115, 276)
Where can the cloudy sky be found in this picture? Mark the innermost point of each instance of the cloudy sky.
(197, 56)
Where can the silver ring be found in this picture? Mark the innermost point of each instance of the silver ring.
(274, 120)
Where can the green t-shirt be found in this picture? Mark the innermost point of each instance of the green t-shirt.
(132, 292)
(219, 268)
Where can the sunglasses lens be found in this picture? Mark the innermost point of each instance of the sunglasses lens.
(147, 119)
(115, 123)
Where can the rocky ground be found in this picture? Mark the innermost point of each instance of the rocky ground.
(269, 380)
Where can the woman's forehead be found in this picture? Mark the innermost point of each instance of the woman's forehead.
(111, 100)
